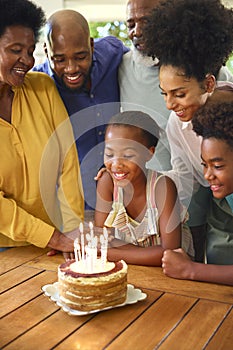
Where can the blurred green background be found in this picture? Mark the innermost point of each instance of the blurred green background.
(230, 63)
(118, 29)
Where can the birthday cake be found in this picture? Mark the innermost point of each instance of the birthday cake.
(91, 282)
(104, 286)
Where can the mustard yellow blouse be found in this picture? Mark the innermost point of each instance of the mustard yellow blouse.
(40, 184)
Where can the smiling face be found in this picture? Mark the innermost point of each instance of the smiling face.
(184, 95)
(217, 159)
(125, 154)
(70, 55)
(17, 45)
(137, 12)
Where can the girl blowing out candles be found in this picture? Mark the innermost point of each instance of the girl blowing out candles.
(141, 205)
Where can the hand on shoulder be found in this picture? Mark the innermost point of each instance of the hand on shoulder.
(100, 173)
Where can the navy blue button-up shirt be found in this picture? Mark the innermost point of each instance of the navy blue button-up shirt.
(90, 110)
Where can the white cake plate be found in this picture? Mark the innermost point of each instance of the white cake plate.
(51, 290)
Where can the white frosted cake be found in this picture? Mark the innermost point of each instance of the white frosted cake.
(105, 285)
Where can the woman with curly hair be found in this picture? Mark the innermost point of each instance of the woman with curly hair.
(39, 196)
(192, 40)
(214, 122)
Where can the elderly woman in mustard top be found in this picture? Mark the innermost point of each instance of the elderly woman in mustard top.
(40, 190)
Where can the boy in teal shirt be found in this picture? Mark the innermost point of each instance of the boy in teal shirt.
(214, 122)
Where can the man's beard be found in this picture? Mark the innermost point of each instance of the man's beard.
(142, 59)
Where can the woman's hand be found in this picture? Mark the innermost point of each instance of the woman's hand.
(64, 243)
(60, 241)
(67, 256)
(100, 173)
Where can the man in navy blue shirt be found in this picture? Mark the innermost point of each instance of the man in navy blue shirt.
(86, 75)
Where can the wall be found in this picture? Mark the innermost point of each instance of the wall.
(49, 6)
(93, 10)
(228, 3)
(99, 10)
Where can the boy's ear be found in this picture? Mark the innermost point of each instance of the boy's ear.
(151, 152)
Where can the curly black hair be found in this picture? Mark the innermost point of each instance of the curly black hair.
(149, 128)
(215, 120)
(194, 35)
(21, 12)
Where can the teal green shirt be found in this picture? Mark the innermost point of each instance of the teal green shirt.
(219, 245)
(230, 200)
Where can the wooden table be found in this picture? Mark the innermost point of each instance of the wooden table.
(176, 314)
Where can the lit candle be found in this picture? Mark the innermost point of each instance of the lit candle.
(104, 246)
(91, 229)
(105, 233)
(88, 258)
(82, 240)
(81, 227)
(94, 251)
(77, 253)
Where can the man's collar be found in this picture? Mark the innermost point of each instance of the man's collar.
(50, 71)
